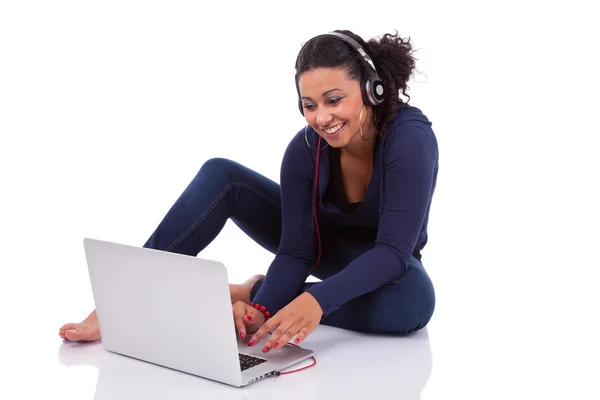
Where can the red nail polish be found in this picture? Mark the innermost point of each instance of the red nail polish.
(297, 340)
(249, 318)
(276, 344)
(265, 349)
(242, 335)
(251, 342)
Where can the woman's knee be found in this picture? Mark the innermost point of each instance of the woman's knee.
(407, 303)
(217, 173)
(218, 166)
(402, 316)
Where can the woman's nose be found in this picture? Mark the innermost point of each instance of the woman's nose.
(323, 118)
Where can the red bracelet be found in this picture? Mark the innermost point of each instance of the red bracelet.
(262, 309)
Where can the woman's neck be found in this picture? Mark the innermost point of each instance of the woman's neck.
(360, 149)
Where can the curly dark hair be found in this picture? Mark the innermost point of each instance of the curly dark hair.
(391, 54)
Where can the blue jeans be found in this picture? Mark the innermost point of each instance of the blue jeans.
(223, 190)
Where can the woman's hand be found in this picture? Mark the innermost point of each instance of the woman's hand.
(300, 317)
(246, 318)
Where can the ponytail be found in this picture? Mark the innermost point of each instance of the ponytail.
(395, 64)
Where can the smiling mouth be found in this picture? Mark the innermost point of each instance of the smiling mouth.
(334, 129)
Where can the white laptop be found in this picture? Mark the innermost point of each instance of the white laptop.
(175, 310)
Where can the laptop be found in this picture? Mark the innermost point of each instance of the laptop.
(175, 311)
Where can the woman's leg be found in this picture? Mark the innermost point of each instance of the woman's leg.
(222, 189)
(401, 306)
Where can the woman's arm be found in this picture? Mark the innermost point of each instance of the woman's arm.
(296, 254)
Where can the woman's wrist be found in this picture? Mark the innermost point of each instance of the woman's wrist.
(262, 309)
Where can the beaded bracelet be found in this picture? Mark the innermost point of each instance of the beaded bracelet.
(262, 309)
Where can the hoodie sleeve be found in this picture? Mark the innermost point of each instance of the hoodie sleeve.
(296, 255)
(410, 170)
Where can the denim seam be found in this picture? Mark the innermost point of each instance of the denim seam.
(211, 207)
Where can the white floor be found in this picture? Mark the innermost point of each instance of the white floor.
(513, 351)
(402, 366)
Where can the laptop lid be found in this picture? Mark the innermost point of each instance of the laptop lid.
(166, 308)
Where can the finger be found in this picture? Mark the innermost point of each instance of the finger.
(263, 330)
(286, 337)
(239, 311)
(253, 319)
(277, 335)
(304, 332)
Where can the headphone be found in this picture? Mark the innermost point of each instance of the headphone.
(371, 86)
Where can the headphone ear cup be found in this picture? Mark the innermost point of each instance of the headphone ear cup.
(365, 88)
(372, 91)
(299, 100)
(377, 90)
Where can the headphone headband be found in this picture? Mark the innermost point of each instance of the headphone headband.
(356, 46)
(371, 86)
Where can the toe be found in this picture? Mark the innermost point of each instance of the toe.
(66, 327)
(78, 334)
(73, 335)
(83, 333)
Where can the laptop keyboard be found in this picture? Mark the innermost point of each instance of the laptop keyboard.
(247, 361)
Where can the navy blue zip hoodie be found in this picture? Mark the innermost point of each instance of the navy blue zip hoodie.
(396, 204)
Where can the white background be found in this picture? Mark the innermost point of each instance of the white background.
(108, 109)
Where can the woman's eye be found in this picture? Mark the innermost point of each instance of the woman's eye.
(334, 100)
(309, 106)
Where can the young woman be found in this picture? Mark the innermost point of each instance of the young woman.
(352, 209)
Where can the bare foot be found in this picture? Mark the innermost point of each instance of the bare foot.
(86, 330)
(89, 329)
(241, 291)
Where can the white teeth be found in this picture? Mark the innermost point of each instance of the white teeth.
(334, 129)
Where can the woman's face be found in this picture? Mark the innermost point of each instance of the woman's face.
(332, 105)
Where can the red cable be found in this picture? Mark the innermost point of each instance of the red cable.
(300, 369)
(316, 188)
